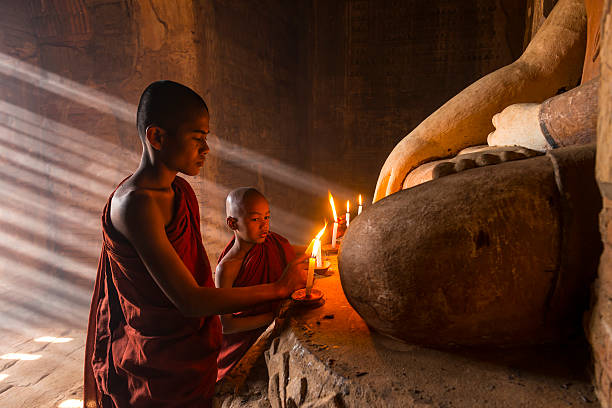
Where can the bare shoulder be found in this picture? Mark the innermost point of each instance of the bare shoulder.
(227, 271)
(132, 207)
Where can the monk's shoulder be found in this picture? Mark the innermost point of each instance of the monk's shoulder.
(132, 207)
(227, 270)
(130, 201)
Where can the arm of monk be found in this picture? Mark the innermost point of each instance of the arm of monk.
(552, 61)
(299, 249)
(141, 221)
(226, 274)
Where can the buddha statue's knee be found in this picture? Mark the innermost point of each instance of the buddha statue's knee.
(483, 253)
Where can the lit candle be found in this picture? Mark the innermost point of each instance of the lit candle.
(317, 240)
(311, 267)
(310, 247)
(348, 213)
(359, 209)
(335, 230)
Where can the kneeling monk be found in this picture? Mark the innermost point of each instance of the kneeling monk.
(254, 256)
(154, 333)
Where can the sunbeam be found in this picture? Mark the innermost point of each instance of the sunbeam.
(110, 156)
(273, 168)
(66, 88)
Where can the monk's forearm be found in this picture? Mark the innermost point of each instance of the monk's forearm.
(241, 324)
(217, 301)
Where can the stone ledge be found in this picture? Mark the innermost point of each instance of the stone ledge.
(328, 357)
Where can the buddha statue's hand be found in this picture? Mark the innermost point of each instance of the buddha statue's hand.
(518, 125)
(393, 172)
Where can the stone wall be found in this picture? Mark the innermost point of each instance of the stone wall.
(305, 97)
(599, 321)
(71, 73)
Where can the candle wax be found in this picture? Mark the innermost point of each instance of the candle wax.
(348, 219)
(310, 276)
(334, 235)
(359, 210)
(319, 257)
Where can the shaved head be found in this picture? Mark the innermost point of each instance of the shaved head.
(238, 200)
(167, 104)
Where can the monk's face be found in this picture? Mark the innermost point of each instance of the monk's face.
(254, 220)
(186, 149)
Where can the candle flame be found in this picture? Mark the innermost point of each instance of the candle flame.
(315, 248)
(320, 234)
(331, 202)
(359, 199)
(348, 206)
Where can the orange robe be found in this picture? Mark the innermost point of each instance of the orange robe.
(264, 263)
(141, 351)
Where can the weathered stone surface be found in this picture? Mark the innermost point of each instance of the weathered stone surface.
(340, 362)
(448, 261)
(47, 381)
(598, 322)
(571, 118)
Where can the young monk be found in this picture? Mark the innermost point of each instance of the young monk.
(154, 333)
(254, 256)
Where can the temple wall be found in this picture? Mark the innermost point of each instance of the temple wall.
(71, 73)
(305, 97)
(599, 322)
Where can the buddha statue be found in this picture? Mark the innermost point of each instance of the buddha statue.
(484, 225)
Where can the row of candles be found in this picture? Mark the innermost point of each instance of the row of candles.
(348, 217)
(315, 245)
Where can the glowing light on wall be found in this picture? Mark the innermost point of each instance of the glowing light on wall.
(66, 88)
(273, 168)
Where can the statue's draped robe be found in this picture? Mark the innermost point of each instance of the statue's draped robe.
(264, 263)
(141, 351)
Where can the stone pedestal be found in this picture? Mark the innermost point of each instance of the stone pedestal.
(328, 357)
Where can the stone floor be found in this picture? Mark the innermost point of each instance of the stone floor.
(45, 371)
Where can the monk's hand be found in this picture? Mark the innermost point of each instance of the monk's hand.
(294, 276)
(518, 125)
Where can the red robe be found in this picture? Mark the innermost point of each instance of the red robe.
(141, 351)
(264, 263)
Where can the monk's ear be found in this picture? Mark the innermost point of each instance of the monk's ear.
(155, 136)
(232, 223)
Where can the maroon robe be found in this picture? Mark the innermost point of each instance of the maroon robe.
(141, 351)
(264, 263)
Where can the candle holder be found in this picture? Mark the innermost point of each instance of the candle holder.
(327, 248)
(314, 300)
(323, 270)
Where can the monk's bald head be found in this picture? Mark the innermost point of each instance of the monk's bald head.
(239, 200)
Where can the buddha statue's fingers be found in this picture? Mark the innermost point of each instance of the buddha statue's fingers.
(381, 186)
